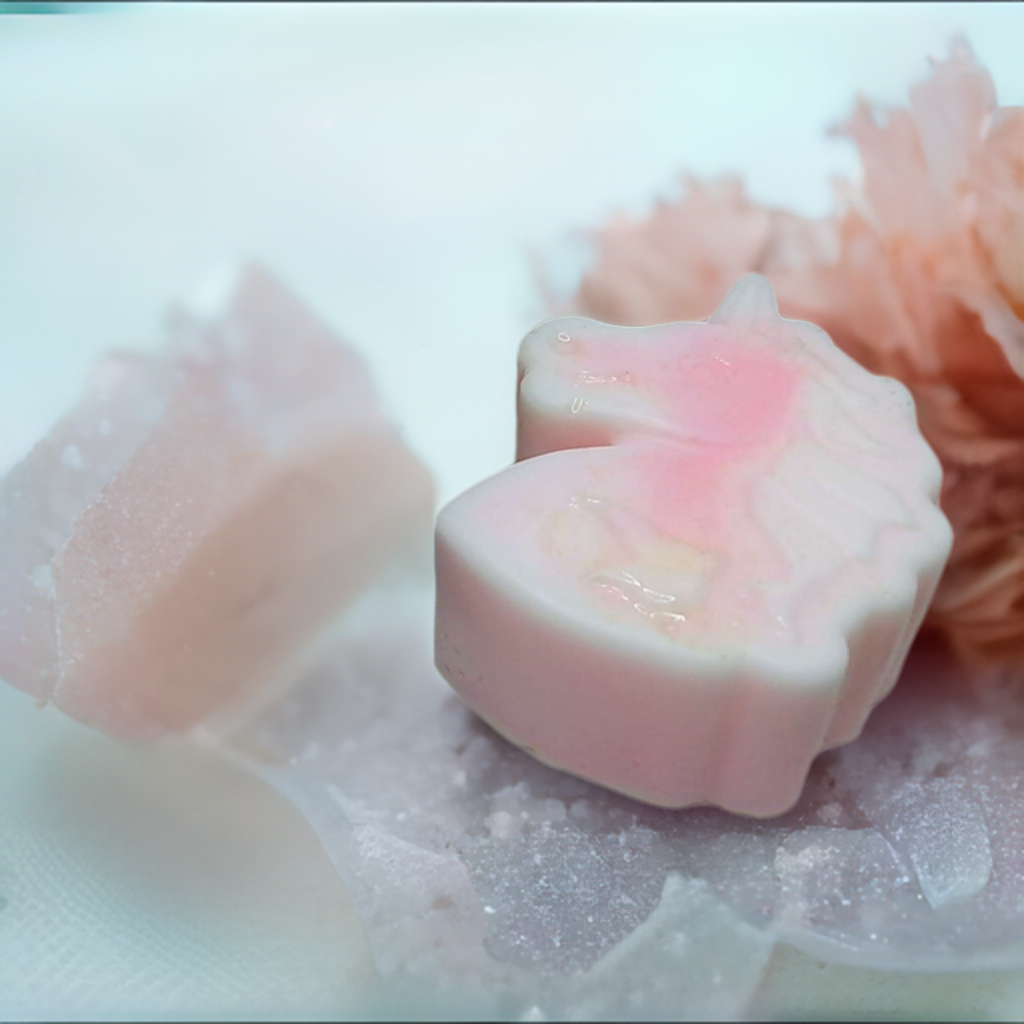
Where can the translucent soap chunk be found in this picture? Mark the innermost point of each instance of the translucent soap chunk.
(175, 543)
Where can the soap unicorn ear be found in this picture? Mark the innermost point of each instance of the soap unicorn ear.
(750, 299)
(708, 564)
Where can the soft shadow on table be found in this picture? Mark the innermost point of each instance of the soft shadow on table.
(156, 882)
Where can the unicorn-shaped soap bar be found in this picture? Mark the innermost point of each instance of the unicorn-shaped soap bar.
(707, 564)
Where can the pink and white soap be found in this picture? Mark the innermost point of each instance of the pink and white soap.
(201, 513)
(708, 563)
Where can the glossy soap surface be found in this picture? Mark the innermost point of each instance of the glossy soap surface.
(708, 563)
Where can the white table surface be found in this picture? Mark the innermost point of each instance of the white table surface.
(395, 164)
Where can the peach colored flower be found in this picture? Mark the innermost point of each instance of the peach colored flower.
(919, 275)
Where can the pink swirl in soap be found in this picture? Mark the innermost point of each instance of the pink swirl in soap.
(680, 543)
(712, 390)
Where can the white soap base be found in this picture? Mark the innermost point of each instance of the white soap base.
(484, 877)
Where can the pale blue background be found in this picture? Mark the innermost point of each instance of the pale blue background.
(396, 163)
